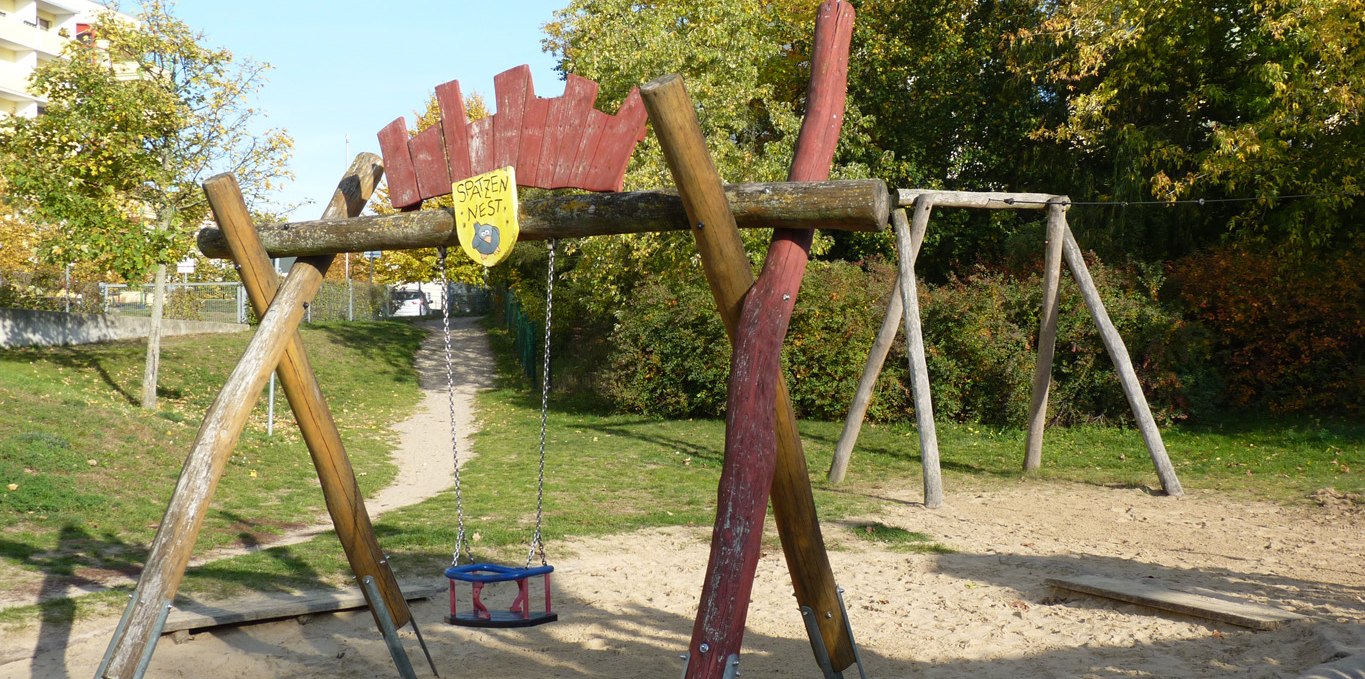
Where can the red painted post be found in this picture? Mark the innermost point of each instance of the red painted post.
(755, 370)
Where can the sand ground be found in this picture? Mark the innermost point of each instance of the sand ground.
(627, 602)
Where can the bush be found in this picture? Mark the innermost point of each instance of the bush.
(671, 357)
(837, 315)
(981, 344)
(1290, 333)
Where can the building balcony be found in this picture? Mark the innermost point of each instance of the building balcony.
(18, 34)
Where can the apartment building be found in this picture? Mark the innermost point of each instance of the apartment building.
(32, 32)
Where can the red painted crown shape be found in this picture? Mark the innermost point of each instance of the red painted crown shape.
(556, 143)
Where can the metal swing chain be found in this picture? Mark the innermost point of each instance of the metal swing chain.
(450, 400)
(537, 543)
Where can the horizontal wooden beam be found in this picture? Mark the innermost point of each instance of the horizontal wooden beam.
(991, 200)
(1152, 595)
(196, 616)
(849, 205)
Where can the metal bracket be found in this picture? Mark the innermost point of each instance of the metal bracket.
(146, 658)
(731, 665)
(817, 641)
(400, 656)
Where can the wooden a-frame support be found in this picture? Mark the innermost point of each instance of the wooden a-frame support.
(763, 455)
(275, 347)
(904, 304)
(795, 207)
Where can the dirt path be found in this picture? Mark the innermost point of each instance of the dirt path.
(423, 457)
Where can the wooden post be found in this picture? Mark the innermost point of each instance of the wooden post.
(218, 435)
(906, 251)
(876, 358)
(1118, 352)
(757, 364)
(345, 503)
(722, 613)
(1047, 334)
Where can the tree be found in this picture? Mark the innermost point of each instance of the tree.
(1215, 99)
(134, 122)
(945, 111)
(746, 66)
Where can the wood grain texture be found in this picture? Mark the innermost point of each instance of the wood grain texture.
(529, 171)
(756, 362)
(344, 500)
(718, 631)
(429, 162)
(1047, 336)
(623, 132)
(876, 358)
(849, 205)
(393, 143)
(906, 253)
(276, 338)
(1118, 353)
(1153, 595)
(455, 128)
(565, 135)
(512, 90)
(196, 617)
(481, 146)
(991, 200)
(559, 142)
(213, 445)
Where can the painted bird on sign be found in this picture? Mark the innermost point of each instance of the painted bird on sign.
(485, 239)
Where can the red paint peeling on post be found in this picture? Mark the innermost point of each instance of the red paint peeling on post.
(755, 367)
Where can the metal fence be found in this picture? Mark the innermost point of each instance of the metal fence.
(221, 302)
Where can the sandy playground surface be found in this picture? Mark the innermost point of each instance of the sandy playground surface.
(626, 602)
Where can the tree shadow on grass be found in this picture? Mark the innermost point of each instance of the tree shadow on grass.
(80, 562)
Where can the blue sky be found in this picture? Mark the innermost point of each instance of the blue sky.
(348, 68)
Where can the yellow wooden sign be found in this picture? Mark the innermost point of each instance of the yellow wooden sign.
(486, 215)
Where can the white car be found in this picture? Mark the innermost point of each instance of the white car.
(410, 303)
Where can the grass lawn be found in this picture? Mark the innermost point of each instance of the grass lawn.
(85, 473)
(604, 474)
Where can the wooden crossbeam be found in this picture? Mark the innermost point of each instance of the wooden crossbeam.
(846, 205)
(560, 142)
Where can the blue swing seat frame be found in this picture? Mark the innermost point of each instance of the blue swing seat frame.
(520, 615)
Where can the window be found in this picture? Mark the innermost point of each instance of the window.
(44, 24)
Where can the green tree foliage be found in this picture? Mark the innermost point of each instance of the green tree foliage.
(946, 111)
(134, 122)
(1198, 99)
(745, 63)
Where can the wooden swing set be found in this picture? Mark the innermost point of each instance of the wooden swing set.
(556, 143)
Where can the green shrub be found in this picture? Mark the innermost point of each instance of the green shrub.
(1290, 333)
(670, 356)
(837, 315)
(981, 344)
